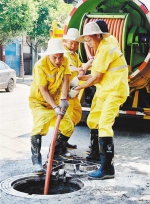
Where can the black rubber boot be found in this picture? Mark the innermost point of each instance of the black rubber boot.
(94, 154)
(36, 155)
(70, 146)
(106, 171)
(61, 151)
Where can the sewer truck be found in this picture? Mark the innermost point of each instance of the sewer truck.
(129, 22)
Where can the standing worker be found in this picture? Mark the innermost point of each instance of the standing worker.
(109, 73)
(71, 45)
(47, 100)
(94, 146)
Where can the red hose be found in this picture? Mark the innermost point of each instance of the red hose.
(120, 33)
(117, 29)
(111, 27)
(51, 155)
(114, 29)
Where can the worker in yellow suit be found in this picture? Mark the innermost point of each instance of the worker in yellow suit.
(94, 147)
(109, 73)
(47, 100)
(71, 45)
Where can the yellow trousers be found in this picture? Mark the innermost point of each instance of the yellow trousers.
(43, 118)
(103, 113)
(74, 110)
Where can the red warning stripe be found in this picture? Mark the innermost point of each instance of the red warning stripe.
(73, 11)
(144, 9)
(130, 112)
(141, 67)
(65, 29)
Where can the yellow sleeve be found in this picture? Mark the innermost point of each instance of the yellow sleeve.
(102, 61)
(66, 65)
(39, 75)
(105, 57)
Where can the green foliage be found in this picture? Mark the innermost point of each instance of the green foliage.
(48, 10)
(14, 19)
(31, 17)
(61, 13)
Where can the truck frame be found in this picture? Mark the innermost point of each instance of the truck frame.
(129, 22)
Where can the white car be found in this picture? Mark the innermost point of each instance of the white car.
(7, 77)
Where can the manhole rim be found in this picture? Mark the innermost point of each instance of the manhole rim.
(6, 186)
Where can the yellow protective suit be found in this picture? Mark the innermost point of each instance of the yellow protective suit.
(74, 110)
(44, 73)
(113, 89)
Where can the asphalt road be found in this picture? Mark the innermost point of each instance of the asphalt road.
(132, 150)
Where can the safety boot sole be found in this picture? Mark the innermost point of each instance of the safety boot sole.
(102, 178)
(38, 171)
(69, 146)
(67, 157)
(88, 152)
(94, 161)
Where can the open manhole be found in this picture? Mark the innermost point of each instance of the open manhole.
(34, 185)
(65, 179)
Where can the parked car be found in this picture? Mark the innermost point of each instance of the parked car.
(7, 77)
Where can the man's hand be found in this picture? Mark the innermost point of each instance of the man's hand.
(73, 93)
(77, 88)
(86, 67)
(74, 82)
(58, 111)
(63, 104)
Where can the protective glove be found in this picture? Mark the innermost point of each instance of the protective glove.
(64, 104)
(74, 82)
(73, 93)
(58, 111)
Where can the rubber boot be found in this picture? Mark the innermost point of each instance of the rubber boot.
(61, 153)
(36, 155)
(62, 143)
(106, 171)
(94, 153)
(70, 146)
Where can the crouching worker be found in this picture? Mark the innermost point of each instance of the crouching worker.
(47, 100)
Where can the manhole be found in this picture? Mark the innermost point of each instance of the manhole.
(65, 180)
(31, 185)
(34, 185)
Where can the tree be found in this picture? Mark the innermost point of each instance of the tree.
(39, 34)
(33, 17)
(61, 13)
(47, 10)
(16, 17)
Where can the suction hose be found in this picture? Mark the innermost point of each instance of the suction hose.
(51, 155)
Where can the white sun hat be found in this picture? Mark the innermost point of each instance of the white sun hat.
(55, 46)
(91, 28)
(72, 34)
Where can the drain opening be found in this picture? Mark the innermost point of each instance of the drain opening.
(33, 186)
(65, 179)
